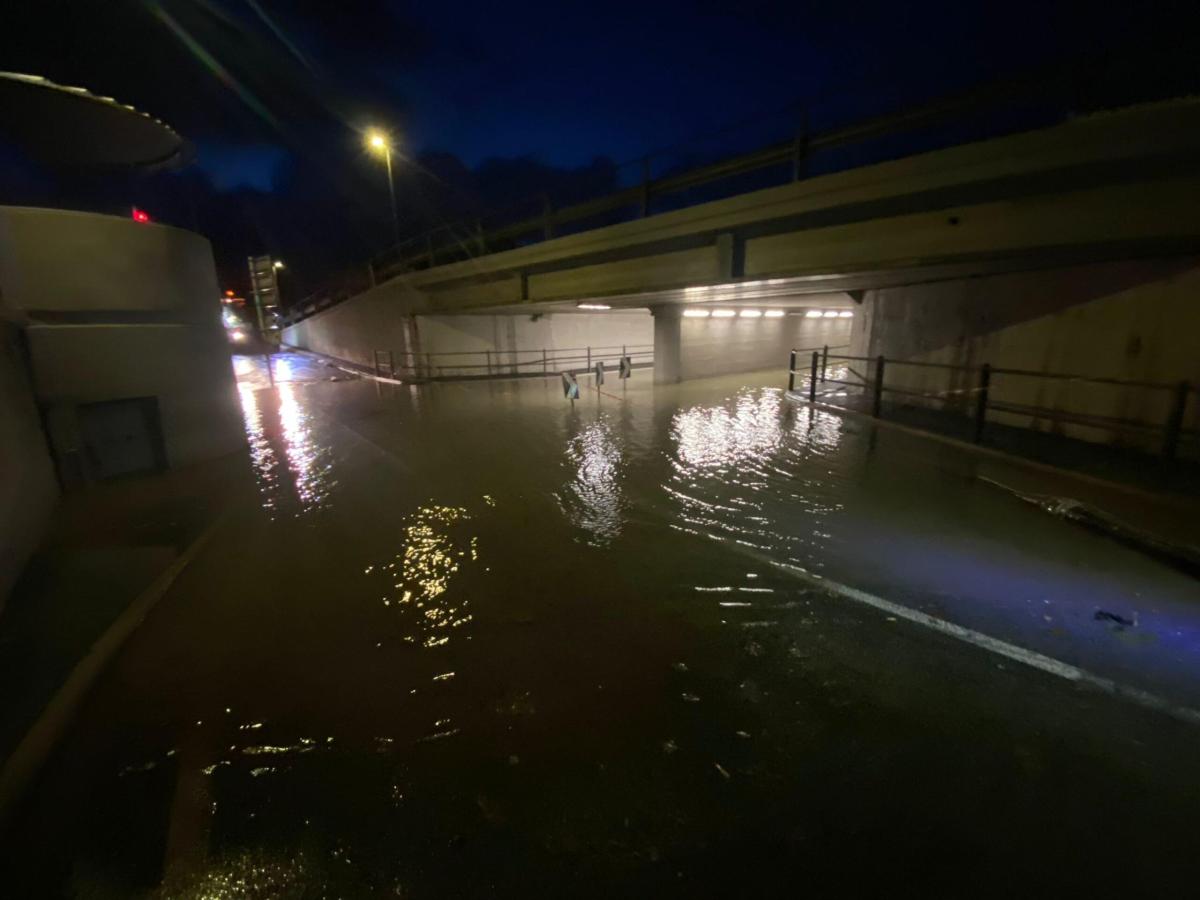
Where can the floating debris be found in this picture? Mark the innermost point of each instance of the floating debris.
(1103, 615)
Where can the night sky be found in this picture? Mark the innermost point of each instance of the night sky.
(489, 102)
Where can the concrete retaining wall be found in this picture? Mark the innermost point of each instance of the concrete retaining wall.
(1133, 320)
(503, 336)
(28, 489)
(726, 346)
(382, 321)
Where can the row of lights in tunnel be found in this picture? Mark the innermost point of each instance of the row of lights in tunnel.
(742, 313)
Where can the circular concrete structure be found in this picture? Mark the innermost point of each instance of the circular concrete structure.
(70, 126)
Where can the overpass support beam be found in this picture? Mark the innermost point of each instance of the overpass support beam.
(731, 255)
(668, 344)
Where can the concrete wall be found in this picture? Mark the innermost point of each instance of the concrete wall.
(386, 320)
(380, 319)
(78, 364)
(1132, 320)
(725, 346)
(28, 489)
(115, 309)
(605, 332)
(53, 259)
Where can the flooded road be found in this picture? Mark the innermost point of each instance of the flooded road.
(476, 640)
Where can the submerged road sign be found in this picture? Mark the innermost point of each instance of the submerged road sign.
(626, 367)
(570, 386)
(599, 372)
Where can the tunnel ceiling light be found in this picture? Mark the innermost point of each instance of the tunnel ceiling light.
(696, 313)
(592, 306)
(724, 313)
(774, 314)
(750, 313)
(845, 314)
(813, 314)
(831, 313)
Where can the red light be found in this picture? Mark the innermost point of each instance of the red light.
(140, 215)
(229, 293)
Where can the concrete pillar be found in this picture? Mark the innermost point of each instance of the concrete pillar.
(864, 321)
(668, 344)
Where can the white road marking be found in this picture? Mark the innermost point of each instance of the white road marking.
(1002, 648)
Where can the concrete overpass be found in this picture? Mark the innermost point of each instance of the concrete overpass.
(1080, 196)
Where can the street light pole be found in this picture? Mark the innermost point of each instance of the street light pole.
(387, 156)
(379, 142)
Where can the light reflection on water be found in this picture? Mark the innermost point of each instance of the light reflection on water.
(263, 458)
(437, 543)
(734, 464)
(308, 459)
(289, 449)
(592, 499)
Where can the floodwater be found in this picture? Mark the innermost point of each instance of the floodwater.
(471, 639)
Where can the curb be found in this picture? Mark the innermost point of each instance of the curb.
(30, 755)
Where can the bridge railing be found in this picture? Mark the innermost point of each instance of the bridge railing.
(964, 399)
(500, 363)
(842, 131)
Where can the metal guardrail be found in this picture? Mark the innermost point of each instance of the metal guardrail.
(1038, 98)
(1170, 431)
(498, 363)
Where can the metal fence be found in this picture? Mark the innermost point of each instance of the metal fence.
(1071, 405)
(506, 363)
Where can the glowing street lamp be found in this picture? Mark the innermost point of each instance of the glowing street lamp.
(380, 144)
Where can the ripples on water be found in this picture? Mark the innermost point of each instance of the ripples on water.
(734, 466)
(438, 544)
(308, 459)
(263, 458)
(592, 500)
(290, 463)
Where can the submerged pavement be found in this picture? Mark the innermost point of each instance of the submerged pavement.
(475, 640)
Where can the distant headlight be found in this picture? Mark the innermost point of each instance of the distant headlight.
(237, 335)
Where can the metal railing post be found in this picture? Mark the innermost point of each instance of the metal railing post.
(589, 357)
(1175, 420)
(812, 380)
(824, 361)
(981, 400)
(792, 371)
(489, 361)
(877, 403)
(544, 370)
(428, 365)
